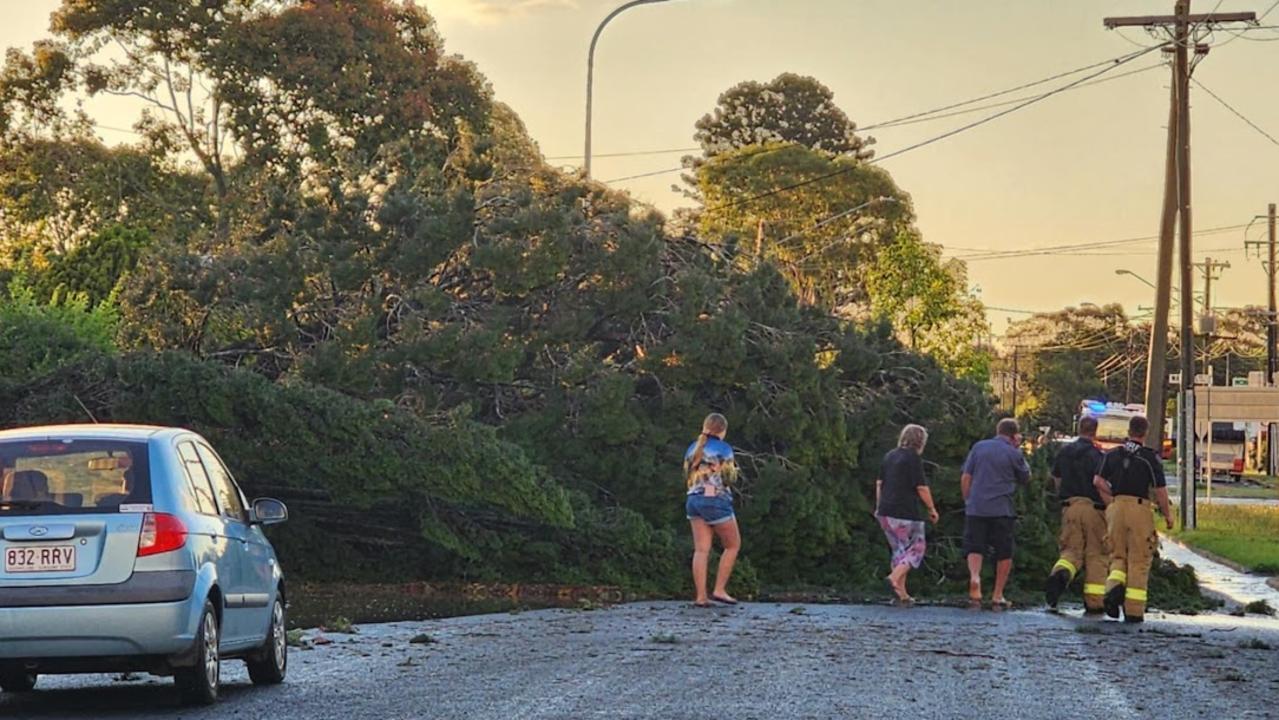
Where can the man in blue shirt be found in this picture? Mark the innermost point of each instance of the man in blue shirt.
(991, 474)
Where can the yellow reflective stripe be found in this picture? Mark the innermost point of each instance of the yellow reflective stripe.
(1118, 576)
(1094, 589)
(1135, 594)
(1064, 563)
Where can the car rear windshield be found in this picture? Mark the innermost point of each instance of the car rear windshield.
(57, 477)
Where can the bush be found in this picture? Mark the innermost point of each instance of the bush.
(363, 477)
(38, 338)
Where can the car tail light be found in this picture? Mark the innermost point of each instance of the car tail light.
(161, 533)
(1237, 465)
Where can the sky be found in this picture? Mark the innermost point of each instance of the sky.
(1084, 166)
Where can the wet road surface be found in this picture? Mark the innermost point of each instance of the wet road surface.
(668, 660)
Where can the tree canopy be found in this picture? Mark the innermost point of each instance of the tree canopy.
(789, 108)
(365, 265)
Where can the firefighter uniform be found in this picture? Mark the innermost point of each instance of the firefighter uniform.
(1133, 471)
(1083, 526)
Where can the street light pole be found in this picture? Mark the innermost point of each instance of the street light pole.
(590, 73)
(1129, 272)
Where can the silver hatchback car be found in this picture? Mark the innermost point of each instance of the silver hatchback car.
(131, 548)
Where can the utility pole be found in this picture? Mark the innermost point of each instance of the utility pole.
(1210, 268)
(1181, 24)
(1272, 365)
(1272, 329)
(1272, 337)
(1156, 372)
(1016, 351)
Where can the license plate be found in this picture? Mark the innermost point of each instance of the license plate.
(39, 558)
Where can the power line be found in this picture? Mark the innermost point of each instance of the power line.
(642, 175)
(1237, 114)
(924, 143)
(632, 153)
(993, 95)
(915, 117)
(900, 123)
(1085, 246)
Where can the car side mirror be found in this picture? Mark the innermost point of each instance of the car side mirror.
(269, 511)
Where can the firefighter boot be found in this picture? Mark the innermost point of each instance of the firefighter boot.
(1057, 582)
(1114, 598)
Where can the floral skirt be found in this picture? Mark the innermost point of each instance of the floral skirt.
(905, 539)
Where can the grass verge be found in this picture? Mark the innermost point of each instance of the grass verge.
(1245, 534)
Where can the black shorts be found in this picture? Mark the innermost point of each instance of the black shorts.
(983, 533)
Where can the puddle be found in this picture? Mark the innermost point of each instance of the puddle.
(1235, 586)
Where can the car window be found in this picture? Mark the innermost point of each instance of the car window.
(73, 476)
(228, 494)
(201, 486)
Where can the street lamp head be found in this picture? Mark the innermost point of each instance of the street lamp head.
(590, 73)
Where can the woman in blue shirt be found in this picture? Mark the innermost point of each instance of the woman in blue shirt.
(709, 471)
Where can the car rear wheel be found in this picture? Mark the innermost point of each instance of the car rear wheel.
(198, 684)
(269, 665)
(17, 681)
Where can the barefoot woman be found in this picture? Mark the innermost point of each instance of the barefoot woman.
(900, 489)
(710, 470)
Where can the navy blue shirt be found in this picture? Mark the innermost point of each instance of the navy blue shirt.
(997, 467)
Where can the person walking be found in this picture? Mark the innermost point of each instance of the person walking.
(1083, 521)
(899, 491)
(710, 471)
(1125, 479)
(991, 474)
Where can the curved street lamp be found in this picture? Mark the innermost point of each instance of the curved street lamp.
(1129, 272)
(590, 72)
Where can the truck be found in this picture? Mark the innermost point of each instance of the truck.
(1112, 420)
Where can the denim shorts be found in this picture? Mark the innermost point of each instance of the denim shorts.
(713, 510)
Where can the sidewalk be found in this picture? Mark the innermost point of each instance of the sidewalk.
(1226, 582)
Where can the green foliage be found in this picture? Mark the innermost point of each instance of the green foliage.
(59, 195)
(910, 285)
(376, 476)
(456, 362)
(788, 109)
(1175, 588)
(39, 338)
(825, 264)
(1075, 354)
(96, 269)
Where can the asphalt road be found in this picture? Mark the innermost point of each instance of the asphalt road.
(667, 660)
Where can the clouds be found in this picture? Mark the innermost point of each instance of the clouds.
(494, 11)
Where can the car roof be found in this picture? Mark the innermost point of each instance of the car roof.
(102, 431)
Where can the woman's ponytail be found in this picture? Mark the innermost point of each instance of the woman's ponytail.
(695, 461)
(714, 424)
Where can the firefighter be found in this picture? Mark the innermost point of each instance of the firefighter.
(1125, 479)
(1083, 521)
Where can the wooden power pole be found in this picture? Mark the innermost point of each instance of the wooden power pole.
(1272, 328)
(1210, 268)
(1182, 25)
(1156, 372)
(1266, 248)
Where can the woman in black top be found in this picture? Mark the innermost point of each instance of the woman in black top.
(898, 492)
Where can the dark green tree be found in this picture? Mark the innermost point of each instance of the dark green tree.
(789, 108)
